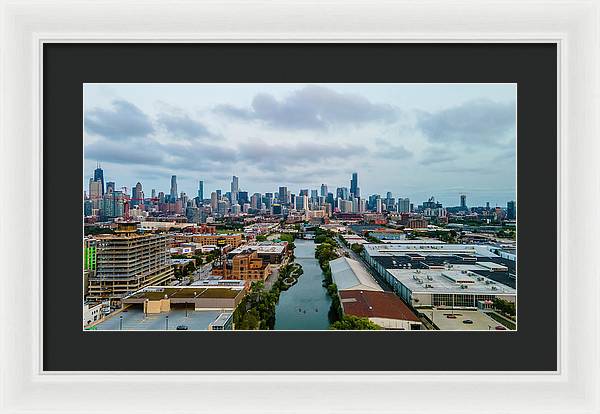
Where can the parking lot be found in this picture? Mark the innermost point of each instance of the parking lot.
(446, 320)
(133, 319)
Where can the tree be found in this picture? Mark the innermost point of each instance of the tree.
(357, 248)
(351, 322)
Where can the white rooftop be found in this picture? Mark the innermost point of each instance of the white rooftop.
(348, 274)
(444, 281)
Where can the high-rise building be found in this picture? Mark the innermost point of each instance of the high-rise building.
(404, 205)
(137, 195)
(201, 190)
(463, 201)
(342, 192)
(153, 193)
(354, 185)
(511, 210)
(173, 192)
(213, 200)
(323, 190)
(235, 188)
(110, 187)
(128, 261)
(379, 205)
(283, 195)
(99, 176)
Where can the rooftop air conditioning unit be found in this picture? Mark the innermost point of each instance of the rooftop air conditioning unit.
(494, 287)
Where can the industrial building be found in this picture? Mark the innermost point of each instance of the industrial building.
(127, 261)
(349, 274)
(444, 275)
(382, 308)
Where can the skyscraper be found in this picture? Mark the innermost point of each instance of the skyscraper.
(354, 185)
(173, 192)
(404, 205)
(511, 210)
(201, 190)
(137, 195)
(99, 176)
(110, 187)
(283, 195)
(323, 190)
(463, 201)
(235, 188)
(213, 200)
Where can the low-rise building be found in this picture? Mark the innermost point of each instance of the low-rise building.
(382, 308)
(349, 274)
(444, 276)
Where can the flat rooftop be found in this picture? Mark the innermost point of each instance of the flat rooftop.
(481, 321)
(479, 259)
(185, 292)
(134, 319)
(446, 281)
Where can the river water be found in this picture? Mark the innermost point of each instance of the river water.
(305, 305)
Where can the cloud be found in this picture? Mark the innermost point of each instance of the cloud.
(312, 107)
(480, 121)
(389, 151)
(123, 120)
(305, 153)
(436, 155)
(182, 125)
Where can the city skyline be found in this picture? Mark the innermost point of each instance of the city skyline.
(147, 133)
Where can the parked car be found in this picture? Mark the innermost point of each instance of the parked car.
(500, 328)
(182, 328)
(468, 321)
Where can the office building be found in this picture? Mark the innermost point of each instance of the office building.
(213, 201)
(404, 205)
(511, 210)
(323, 190)
(99, 177)
(354, 185)
(128, 261)
(173, 192)
(200, 190)
(235, 188)
(137, 195)
(463, 201)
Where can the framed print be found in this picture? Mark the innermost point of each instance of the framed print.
(222, 199)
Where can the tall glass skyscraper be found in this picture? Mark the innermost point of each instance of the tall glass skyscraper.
(354, 185)
(173, 191)
(201, 190)
(99, 176)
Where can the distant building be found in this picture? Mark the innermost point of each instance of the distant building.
(404, 205)
(463, 201)
(173, 192)
(200, 190)
(99, 177)
(511, 210)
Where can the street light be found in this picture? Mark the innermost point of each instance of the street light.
(120, 322)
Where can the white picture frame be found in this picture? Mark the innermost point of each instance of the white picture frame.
(27, 25)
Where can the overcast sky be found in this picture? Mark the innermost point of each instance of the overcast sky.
(415, 140)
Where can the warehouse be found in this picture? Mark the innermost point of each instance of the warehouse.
(446, 276)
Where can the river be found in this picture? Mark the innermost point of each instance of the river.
(304, 306)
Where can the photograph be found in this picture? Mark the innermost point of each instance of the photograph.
(299, 207)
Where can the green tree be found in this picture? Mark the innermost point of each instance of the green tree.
(357, 248)
(350, 322)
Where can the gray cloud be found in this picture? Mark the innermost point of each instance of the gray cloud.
(312, 107)
(436, 155)
(123, 120)
(258, 151)
(389, 151)
(481, 121)
(183, 125)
